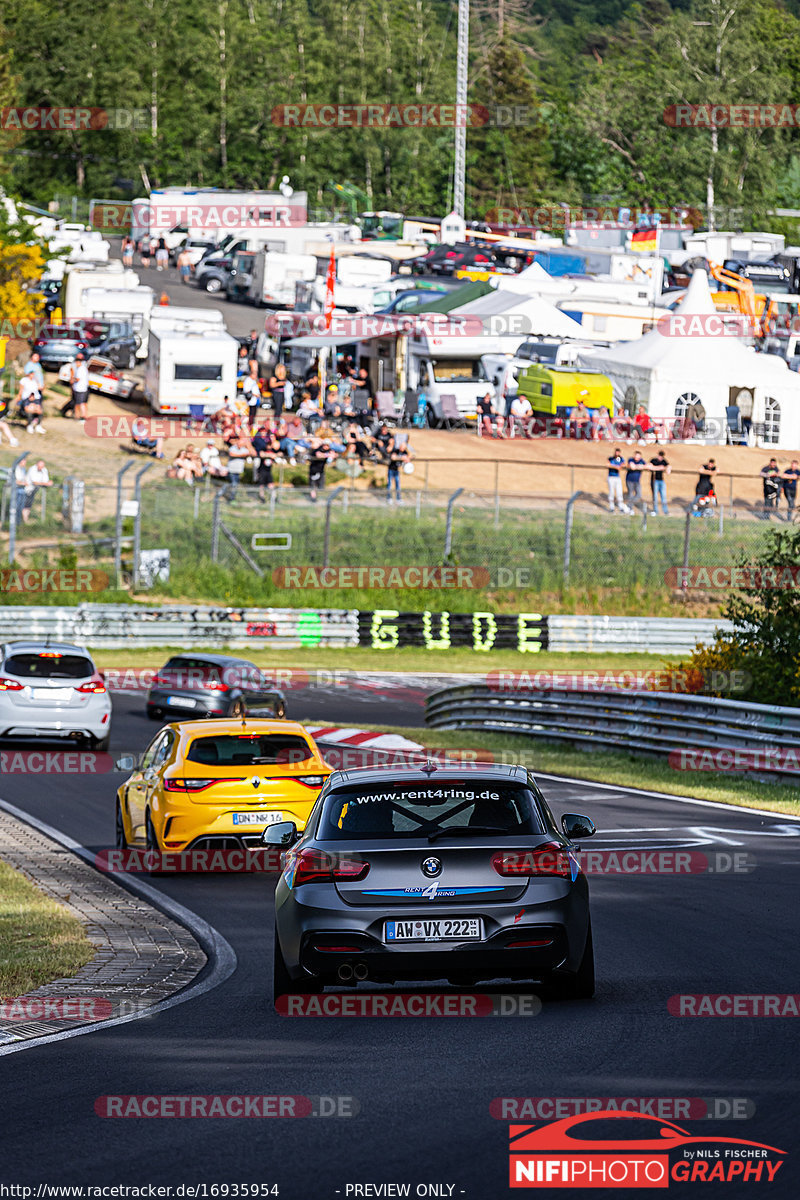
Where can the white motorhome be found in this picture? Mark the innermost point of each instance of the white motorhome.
(191, 362)
(79, 277)
(174, 212)
(122, 304)
(275, 276)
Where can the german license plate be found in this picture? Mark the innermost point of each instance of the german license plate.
(257, 818)
(436, 929)
(181, 701)
(54, 694)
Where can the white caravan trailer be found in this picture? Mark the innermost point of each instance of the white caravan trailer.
(191, 361)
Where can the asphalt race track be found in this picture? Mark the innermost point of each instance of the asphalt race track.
(424, 1086)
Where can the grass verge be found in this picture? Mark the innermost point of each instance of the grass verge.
(458, 659)
(607, 766)
(39, 940)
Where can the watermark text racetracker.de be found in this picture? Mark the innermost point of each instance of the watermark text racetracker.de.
(74, 119)
(380, 115)
(667, 1108)
(409, 577)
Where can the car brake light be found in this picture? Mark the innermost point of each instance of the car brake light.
(317, 866)
(547, 859)
(214, 685)
(95, 686)
(10, 685)
(175, 784)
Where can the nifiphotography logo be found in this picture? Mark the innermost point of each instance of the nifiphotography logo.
(626, 1150)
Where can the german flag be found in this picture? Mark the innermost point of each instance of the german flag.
(645, 240)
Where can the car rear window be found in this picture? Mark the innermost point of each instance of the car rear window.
(186, 672)
(49, 665)
(430, 809)
(250, 749)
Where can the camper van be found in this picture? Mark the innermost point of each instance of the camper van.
(82, 276)
(122, 304)
(275, 276)
(554, 391)
(357, 277)
(191, 362)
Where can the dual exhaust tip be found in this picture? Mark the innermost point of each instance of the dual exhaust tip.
(347, 972)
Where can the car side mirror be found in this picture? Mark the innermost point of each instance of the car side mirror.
(281, 835)
(126, 762)
(577, 826)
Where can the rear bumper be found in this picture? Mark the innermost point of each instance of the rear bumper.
(556, 913)
(494, 958)
(34, 721)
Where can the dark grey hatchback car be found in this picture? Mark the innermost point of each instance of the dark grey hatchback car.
(212, 685)
(432, 872)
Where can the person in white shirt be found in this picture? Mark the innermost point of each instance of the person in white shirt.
(210, 458)
(520, 413)
(29, 401)
(79, 381)
(36, 477)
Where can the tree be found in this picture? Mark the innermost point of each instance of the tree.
(764, 644)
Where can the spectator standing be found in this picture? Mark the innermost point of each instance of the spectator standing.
(659, 468)
(277, 386)
(580, 415)
(771, 482)
(615, 464)
(36, 477)
(127, 252)
(318, 459)
(790, 477)
(251, 393)
(144, 251)
(267, 447)
(704, 493)
(34, 366)
(633, 479)
(398, 455)
(162, 255)
(184, 265)
(79, 384)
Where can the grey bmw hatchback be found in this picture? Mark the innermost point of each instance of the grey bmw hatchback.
(432, 872)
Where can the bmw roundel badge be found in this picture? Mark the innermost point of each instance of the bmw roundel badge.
(431, 867)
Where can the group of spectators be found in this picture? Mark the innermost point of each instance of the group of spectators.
(777, 479)
(315, 434)
(584, 423)
(636, 466)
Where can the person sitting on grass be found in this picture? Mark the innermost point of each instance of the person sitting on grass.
(154, 446)
(212, 463)
(183, 467)
(358, 443)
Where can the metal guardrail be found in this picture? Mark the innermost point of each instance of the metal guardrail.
(119, 625)
(693, 731)
(622, 635)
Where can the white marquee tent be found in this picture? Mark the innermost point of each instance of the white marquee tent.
(688, 360)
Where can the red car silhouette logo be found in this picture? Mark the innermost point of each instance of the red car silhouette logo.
(667, 1136)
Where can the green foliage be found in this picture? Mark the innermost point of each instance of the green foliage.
(765, 641)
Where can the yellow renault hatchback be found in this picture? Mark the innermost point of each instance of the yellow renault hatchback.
(219, 784)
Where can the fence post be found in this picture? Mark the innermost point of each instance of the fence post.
(215, 526)
(497, 494)
(448, 533)
(118, 527)
(327, 543)
(687, 537)
(568, 534)
(12, 511)
(137, 521)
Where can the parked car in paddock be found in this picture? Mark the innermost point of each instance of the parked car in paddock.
(104, 377)
(52, 690)
(212, 685)
(430, 873)
(59, 344)
(218, 785)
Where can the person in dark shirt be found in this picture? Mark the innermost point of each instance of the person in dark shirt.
(318, 460)
(633, 479)
(266, 446)
(659, 468)
(771, 481)
(705, 482)
(790, 477)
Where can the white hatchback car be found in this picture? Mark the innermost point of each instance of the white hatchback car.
(52, 691)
